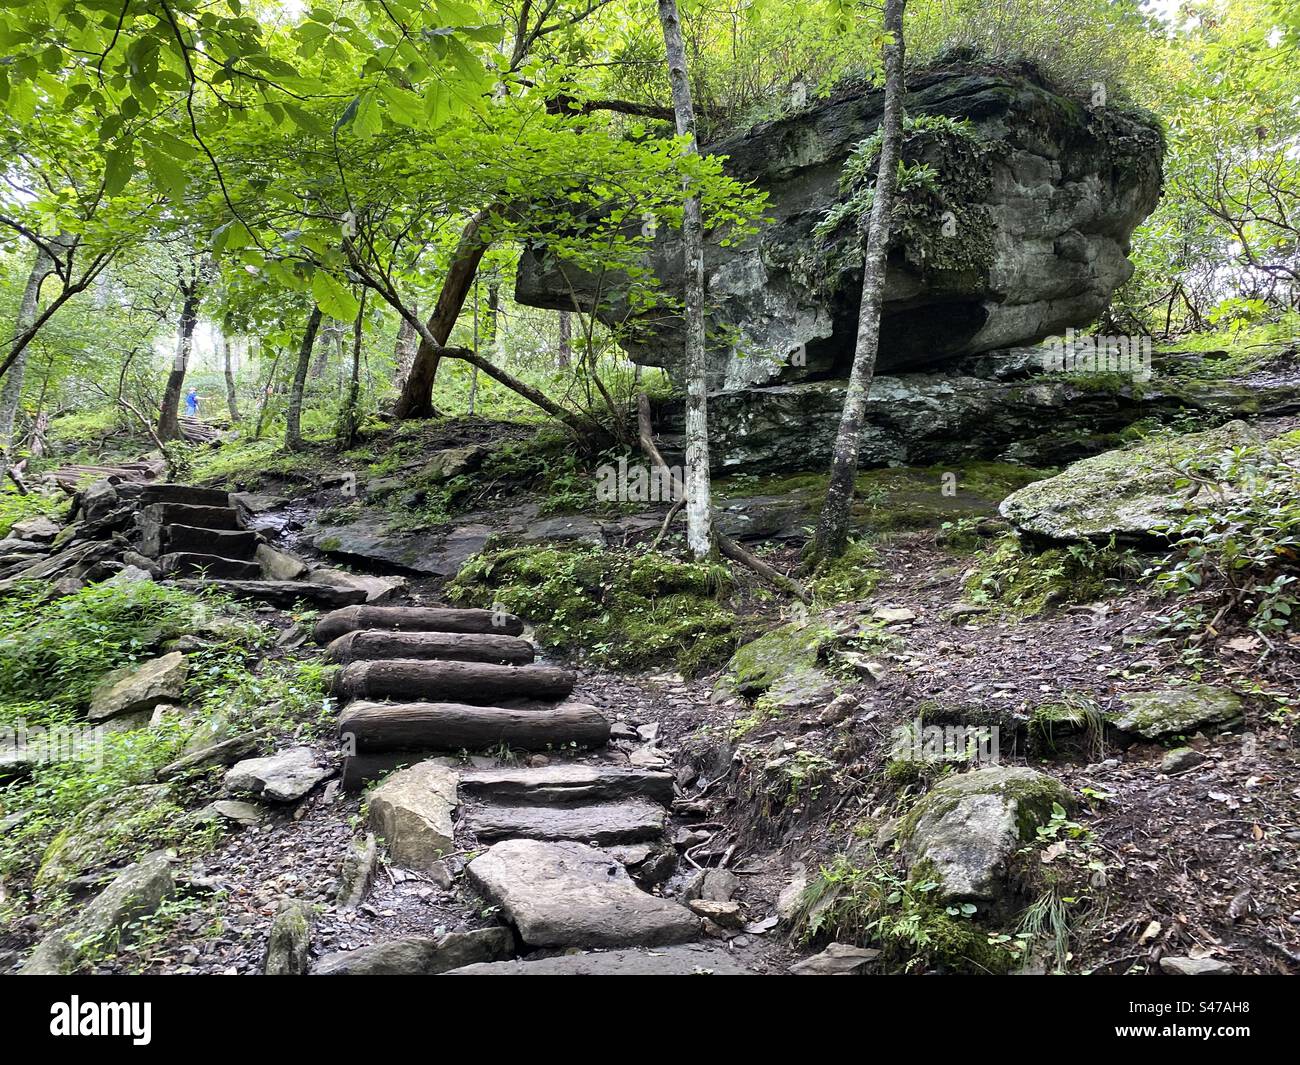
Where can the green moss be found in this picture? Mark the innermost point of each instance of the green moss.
(624, 608)
(783, 653)
(851, 577)
(1025, 582)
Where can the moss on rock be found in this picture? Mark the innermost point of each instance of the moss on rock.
(622, 608)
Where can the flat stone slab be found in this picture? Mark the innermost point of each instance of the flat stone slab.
(572, 895)
(420, 955)
(211, 567)
(630, 821)
(688, 960)
(1171, 711)
(559, 784)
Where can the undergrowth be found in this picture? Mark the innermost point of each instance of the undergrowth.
(625, 608)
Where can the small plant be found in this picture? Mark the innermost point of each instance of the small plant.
(873, 904)
(1235, 559)
(1025, 582)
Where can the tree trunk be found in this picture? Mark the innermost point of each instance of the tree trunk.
(566, 340)
(416, 619)
(350, 418)
(293, 419)
(832, 535)
(266, 395)
(389, 726)
(408, 340)
(330, 340)
(12, 391)
(232, 398)
(699, 531)
(367, 645)
(416, 400)
(169, 417)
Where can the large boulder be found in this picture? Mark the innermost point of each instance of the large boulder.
(1131, 494)
(1030, 237)
(964, 831)
(101, 832)
(411, 811)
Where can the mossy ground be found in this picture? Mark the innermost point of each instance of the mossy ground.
(622, 608)
(1024, 582)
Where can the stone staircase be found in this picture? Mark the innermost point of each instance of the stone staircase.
(197, 539)
(196, 532)
(570, 845)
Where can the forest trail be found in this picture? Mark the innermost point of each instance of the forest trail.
(558, 835)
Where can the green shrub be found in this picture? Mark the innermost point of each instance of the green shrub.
(15, 507)
(60, 649)
(1236, 553)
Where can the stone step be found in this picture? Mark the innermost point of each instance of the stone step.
(189, 495)
(690, 959)
(416, 619)
(157, 540)
(483, 683)
(566, 784)
(374, 726)
(211, 567)
(199, 517)
(572, 895)
(599, 823)
(279, 593)
(367, 645)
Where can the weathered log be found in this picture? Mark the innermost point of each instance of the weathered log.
(184, 493)
(482, 683)
(279, 593)
(416, 619)
(199, 517)
(558, 785)
(214, 567)
(367, 645)
(368, 727)
(156, 540)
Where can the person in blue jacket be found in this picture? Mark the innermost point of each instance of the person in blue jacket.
(192, 403)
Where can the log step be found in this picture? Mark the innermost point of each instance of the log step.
(483, 683)
(598, 824)
(199, 517)
(371, 726)
(159, 540)
(559, 785)
(368, 645)
(279, 593)
(213, 567)
(415, 619)
(183, 493)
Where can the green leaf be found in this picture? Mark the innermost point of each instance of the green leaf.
(118, 168)
(333, 297)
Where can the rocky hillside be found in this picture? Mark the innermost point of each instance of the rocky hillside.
(423, 706)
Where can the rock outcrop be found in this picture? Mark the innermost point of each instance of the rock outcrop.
(1027, 235)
